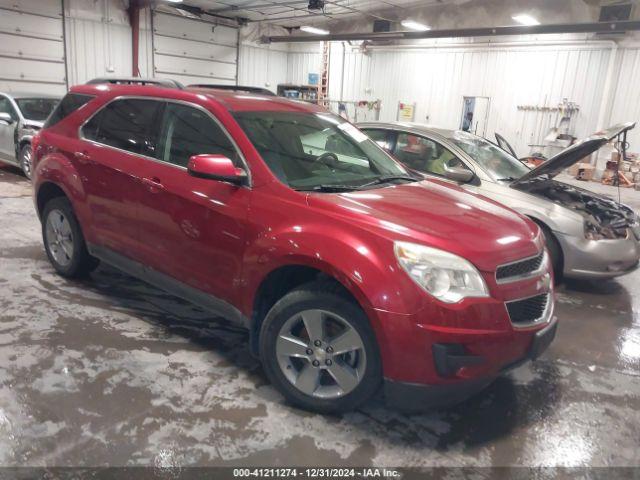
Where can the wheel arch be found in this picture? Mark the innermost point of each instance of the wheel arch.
(47, 191)
(283, 279)
(546, 230)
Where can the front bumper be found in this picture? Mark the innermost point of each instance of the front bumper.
(598, 258)
(415, 397)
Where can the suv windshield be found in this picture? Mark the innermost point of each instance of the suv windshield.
(37, 109)
(310, 151)
(495, 161)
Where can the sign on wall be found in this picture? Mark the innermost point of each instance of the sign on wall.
(406, 112)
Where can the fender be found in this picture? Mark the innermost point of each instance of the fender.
(555, 222)
(373, 275)
(54, 167)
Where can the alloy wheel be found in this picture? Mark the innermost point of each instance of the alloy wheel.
(59, 237)
(25, 161)
(321, 354)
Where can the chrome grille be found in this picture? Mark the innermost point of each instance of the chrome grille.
(529, 310)
(521, 268)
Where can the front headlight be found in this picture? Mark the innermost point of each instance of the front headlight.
(444, 275)
(593, 231)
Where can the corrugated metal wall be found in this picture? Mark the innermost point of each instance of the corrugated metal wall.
(437, 80)
(303, 60)
(626, 94)
(98, 38)
(268, 66)
(261, 66)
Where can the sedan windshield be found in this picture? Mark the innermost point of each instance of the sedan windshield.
(495, 161)
(37, 109)
(319, 151)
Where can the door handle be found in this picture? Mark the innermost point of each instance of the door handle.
(153, 184)
(82, 157)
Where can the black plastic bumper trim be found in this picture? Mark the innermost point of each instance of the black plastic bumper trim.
(416, 397)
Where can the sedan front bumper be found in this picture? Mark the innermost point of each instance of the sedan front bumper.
(586, 259)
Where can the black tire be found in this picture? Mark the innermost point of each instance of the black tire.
(555, 253)
(25, 160)
(80, 263)
(324, 296)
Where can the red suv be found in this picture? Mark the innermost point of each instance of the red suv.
(349, 271)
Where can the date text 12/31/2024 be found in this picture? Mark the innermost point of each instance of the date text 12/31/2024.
(313, 473)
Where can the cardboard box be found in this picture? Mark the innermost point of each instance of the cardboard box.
(585, 172)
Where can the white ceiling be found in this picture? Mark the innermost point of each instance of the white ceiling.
(292, 13)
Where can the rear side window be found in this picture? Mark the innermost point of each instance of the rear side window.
(126, 124)
(69, 104)
(187, 131)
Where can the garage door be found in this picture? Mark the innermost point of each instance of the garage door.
(194, 51)
(32, 46)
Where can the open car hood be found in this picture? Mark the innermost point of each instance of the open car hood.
(575, 153)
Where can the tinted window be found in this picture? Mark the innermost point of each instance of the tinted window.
(315, 150)
(127, 125)
(187, 131)
(381, 137)
(69, 104)
(6, 107)
(424, 155)
(37, 109)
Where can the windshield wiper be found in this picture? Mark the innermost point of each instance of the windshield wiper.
(329, 188)
(506, 179)
(389, 178)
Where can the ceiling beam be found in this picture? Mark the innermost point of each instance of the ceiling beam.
(599, 27)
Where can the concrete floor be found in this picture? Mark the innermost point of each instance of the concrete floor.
(111, 371)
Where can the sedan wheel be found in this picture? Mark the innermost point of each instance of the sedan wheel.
(25, 160)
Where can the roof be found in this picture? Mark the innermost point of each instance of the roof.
(229, 99)
(18, 95)
(416, 127)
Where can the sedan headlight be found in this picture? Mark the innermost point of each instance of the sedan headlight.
(444, 275)
(593, 231)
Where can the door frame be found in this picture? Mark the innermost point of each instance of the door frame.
(486, 119)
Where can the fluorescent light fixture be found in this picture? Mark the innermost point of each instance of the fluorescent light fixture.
(410, 24)
(525, 19)
(314, 30)
(174, 1)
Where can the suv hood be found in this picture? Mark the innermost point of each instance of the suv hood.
(575, 153)
(440, 215)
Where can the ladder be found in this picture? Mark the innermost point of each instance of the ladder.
(323, 88)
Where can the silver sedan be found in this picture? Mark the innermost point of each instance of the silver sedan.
(588, 235)
(21, 117)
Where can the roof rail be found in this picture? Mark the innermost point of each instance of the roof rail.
(157, 82)
(235, 88)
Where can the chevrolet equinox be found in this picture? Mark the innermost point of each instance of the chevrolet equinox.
(350, 272)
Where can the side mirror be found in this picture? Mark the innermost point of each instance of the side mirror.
(216, 167)
(458, 174)
(6, 118)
